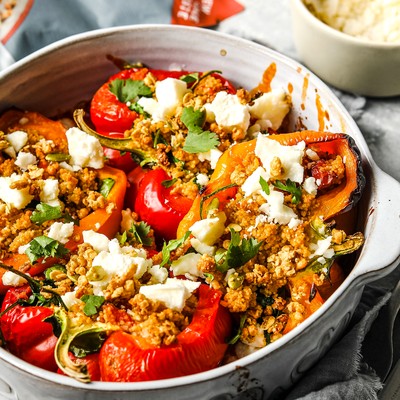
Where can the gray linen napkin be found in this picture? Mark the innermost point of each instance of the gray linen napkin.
(342, 373)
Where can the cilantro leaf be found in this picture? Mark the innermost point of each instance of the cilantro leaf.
(197, 140)
(193, 119)
(171, 246)
(264, 186)
(239, 252)
(140, 232)
(106, 186)
(290, 187)
(92, 304)
(43, 246)
(128, 90)
(200, 142)
(44, 212)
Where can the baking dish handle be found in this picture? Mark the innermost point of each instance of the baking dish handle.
(382, 243)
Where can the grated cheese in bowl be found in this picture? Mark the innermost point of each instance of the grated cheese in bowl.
(375, 20)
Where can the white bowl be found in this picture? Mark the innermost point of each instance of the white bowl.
(349, 63)
(62, 74)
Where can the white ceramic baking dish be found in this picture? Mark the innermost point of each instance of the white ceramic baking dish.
(55, 78)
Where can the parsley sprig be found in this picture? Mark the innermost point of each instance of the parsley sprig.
(129, 90)
(106, 185)
(45, 212)
(140, 232)
(43, 246)
(93, 304)
(197, 140)
(172, 246)
(290, 187)
(240, 251)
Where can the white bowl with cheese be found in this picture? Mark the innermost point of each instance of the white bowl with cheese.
(353, 48)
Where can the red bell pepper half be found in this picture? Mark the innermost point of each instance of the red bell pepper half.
(199, 347)
(154, 203)
(109, 115)
(25, 331)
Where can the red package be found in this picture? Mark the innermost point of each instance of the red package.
(203, 12)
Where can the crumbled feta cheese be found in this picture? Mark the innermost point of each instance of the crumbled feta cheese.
(98, 241)
(322, 248)
(252, 183)
(15, 198)
(261, 125)
(22, 249)
(187, 264)
(17, 139)
(294, 223)
(201, 247)
(70, 299)
(11, 279)
(212, 155)
(209, 230)
(272, 106)
(115, 262)
(173, 293)
(61, 232)
(24, 160)
(228, 111)
(312, 155)
(50, 191)
(276, 210)
(158, 274)
(202, 179)
(310, 185)
(169, 96)
(290, 157)
(85, 150)
(149, 105)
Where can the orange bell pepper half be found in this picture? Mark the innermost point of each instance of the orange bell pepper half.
(99, 220)
(331, 203)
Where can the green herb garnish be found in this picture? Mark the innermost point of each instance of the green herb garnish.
(240, 329)
(168, 183)
(171, 246)
(197, 140)
(140, 232)
(43, 246)
(44, 212)
(290, 187)
(265, 186)
(239, 252)
(106, 186)
(92, 304)
(129, 90)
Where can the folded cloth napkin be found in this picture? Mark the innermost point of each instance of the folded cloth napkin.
(342, 373)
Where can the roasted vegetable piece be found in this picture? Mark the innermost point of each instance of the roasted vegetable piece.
(154, 203)
(110, 114)
(101, 220)
(201, 346)
(332, 202)
(25, 331)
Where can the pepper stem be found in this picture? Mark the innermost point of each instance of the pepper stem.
(121, 144)
(68, 334)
